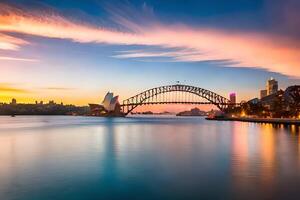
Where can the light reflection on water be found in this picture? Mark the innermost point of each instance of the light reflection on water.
(57, 157)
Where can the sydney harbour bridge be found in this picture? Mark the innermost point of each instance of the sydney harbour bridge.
(175, 94)
(186, 94)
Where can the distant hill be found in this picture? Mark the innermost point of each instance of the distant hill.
(193, 112)
(42, 109)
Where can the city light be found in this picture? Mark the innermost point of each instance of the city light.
(243, 114)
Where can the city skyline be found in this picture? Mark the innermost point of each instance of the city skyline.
(272, 88)
(76, 52)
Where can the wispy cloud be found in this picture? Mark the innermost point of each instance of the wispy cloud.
(242, 49)
(145, 54)
(17, 59)
(6, 87)
(10, 43)
(58, 88)
(174, 56)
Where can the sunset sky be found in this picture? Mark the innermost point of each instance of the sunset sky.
(76, 51)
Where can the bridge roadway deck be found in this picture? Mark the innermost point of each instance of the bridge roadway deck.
(174, 102)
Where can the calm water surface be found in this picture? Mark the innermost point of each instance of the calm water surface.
(66, 158)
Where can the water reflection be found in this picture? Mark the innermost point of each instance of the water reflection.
(146, 158)
(268, 153)
(263, 156)
(240, 158)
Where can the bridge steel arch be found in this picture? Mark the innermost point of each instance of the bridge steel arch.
(144, 98)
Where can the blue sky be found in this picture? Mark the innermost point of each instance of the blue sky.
(75, 51)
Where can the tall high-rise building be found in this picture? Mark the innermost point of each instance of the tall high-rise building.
(232, 97)
(272, 86)
(13, 101)
(263, 93)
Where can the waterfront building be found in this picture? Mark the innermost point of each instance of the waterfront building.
(270, 100)
(110, 102)
(292, 99)
(254, 101)
(232, 97)
(114, 101)
(107, 99)
(97, 110)
(292, 95)
(110, 106)
(272, 86)
(263, 93)
(13, 101)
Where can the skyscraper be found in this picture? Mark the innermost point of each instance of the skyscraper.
(263, 93)
(232, 97)
(272, 86)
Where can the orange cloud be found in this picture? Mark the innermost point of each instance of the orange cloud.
(8, 88)
(196, 44)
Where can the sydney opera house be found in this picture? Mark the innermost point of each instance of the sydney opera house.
(110, 106)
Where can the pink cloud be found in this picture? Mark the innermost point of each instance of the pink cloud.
(10, 43)
(250, 50)
(17, 59)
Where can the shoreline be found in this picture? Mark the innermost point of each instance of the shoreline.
(259, 120)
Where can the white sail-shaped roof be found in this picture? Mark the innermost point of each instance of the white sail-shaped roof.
(113, 103)
(107, 99)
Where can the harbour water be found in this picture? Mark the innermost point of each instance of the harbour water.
(156, 157)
